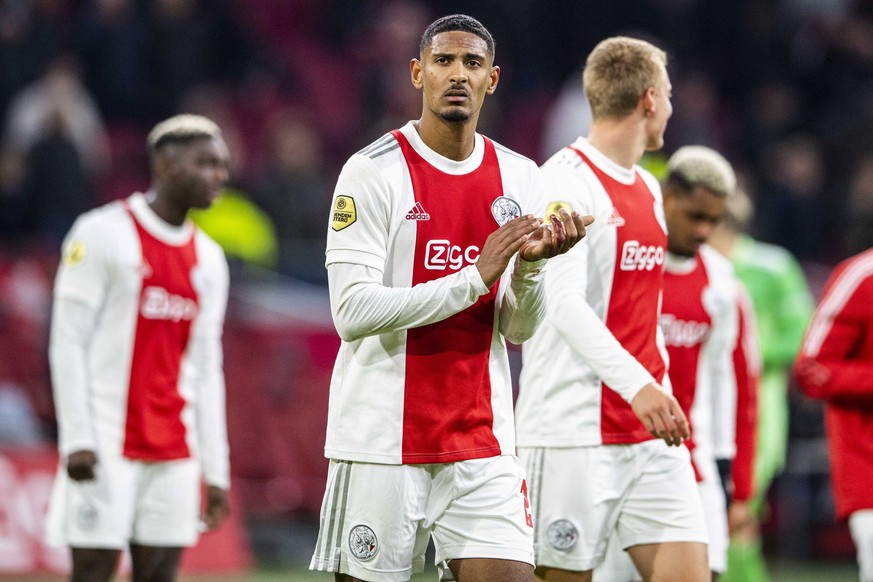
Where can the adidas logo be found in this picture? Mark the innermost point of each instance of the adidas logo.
(615, 218)
(417, 213)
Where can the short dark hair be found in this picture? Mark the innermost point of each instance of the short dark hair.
(457, 22)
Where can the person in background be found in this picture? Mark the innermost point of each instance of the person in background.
(595, 415)
(836, 365)
(783, 303)
(136, 364)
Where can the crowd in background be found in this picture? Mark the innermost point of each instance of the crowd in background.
(784, 88)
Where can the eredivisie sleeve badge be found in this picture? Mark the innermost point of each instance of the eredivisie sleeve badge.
(344, 213)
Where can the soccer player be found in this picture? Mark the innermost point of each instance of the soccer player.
(700, 321)
(836, 365)
(136, 365)
(420, 434)
(783, 304)
(594, 389)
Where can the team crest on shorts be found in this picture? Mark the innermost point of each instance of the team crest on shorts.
(363, 543)
(504, 209)
(562, 534)
(87, 516)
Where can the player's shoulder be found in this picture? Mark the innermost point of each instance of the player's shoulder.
(715, 260)
(766, 256)
(207, 247)
(102, 219)
(507, 155)
(385, 144)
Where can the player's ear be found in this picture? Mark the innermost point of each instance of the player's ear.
(415, 73)
(495, 78)
(162, 163)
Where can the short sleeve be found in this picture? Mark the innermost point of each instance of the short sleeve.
(86, 255)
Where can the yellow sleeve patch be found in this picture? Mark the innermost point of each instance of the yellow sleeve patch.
(555, 208)
(75, 253)
(344, 213)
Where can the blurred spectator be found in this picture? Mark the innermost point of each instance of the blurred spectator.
(291, 188)
(792, 208)
(112, 36)
(59, 100)
(12, 198)
(19, 424)
(858, 216)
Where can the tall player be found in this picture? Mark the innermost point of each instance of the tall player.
(420, 432)
(700, 321)
(136, 364)
(594, 391)
(836, 365)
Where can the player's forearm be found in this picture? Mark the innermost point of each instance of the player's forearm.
(362, 306)
(211, 410)
(524, 304)
(71, 328)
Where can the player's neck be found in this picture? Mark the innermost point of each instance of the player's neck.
(454, 141)
(169, 212)
(620, 140)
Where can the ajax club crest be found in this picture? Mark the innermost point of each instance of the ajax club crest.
(504, 209)
(562, 534)
(363, 543)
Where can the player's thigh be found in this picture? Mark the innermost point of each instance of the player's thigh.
(154, 564)
(487, 570)
(168, 504)
(93, 565)
(97, 513)
(671, 562)
(861, 528)
(480, 509)
(576, 496)
(372, 521)
(617, 566)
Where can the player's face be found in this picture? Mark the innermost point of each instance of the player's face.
(661, 111)
(455, 73)
(691, 218)
(201, 172)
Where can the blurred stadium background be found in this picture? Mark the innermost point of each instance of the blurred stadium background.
(783, 87)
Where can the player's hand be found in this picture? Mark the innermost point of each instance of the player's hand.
(556, 237)
(502, 244)
(80, 465)
(216, 509)
(741, 520)
(661, 414)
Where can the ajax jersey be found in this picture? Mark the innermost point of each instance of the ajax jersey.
(600, 343)
(153, 382)
(437, 390)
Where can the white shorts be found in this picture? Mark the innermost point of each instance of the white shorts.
(861, 528)
(376, 519)
(646, 492)
(150, 504)
(618, 564)
(715, 512)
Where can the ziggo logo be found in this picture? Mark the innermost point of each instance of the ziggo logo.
(637, 257)
(440, 255)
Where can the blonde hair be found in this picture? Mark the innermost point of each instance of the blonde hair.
(618, 72)
(703, 166)
(182, 128)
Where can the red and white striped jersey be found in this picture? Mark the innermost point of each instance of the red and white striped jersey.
(422, 375)
(151, 386)
(836, 365)
(699, 321)
(600, 342)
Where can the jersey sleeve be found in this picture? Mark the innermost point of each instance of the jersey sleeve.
(80, 289)
(792, 311)
(207, 356)
(568, 308)
(832, 364)
(747, 369)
